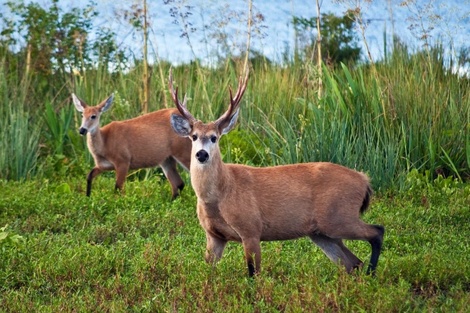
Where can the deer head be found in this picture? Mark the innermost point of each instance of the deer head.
(91, 114)
(205, 136)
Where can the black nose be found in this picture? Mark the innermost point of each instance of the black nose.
(202, 156)
(82, 131)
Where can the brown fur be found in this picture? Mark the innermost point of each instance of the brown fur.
(248, 204)
(142, 142)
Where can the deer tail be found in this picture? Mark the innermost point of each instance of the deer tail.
(365, 202)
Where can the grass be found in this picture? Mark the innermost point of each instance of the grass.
(402, 113)
(141, 252)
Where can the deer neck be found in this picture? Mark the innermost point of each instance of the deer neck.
(95, 141)
(210, 180)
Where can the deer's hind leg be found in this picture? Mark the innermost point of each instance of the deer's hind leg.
(376, 244)
(121, 174)
(252, 250)
(362, 231)
(169, 169)
(337, 252)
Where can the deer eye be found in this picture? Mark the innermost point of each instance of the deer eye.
(194, 137)
(213, 138)
(93, 117)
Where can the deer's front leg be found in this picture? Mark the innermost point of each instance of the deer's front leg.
(214, 248)
(89, 179)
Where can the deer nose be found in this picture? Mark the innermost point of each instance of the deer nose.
(202, 156)
(82, 131)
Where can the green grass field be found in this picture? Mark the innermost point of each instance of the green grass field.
(141, 252)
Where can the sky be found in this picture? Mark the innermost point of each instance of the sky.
(452, 27)
(274, 37)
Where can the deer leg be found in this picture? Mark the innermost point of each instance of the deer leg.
(357, 263)
(91, 175)
(121, 174)
(169, 169)
(214, 248)
(252, 249)
(362, 231)
(336, 251)
(376, 244)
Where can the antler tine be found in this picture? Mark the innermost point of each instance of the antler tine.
(235, 101)
(180, 106)
(242, 83)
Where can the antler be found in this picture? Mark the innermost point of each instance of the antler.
(181, 106)
(235, 101)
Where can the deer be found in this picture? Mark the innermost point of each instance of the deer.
(145, 141)
(236, 202)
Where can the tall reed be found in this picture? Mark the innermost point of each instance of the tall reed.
(20, 129)
(409, 112)
(431, 105)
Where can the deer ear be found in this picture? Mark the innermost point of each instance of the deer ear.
(79, 105)
(224, 128)
(180, 125)
(106, 104)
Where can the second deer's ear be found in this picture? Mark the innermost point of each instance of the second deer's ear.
(106, 104)
(180, 125)
(79, 105)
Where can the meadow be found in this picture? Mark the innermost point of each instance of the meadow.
(142, 252)
(404, 121)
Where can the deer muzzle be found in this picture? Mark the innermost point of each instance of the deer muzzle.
(202, 156)
(82, 131)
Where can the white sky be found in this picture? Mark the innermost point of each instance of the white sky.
(453, 26)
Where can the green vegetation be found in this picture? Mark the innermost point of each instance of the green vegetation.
(407, 111)
(385, 120)
(339, 40)
(62, 251)
(404, 120)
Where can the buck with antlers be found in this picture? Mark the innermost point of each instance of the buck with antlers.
(142, 142)
(248, 204)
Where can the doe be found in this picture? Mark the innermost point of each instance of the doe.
(142, 142)
(248, 204)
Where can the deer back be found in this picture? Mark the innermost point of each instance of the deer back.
(146, 140)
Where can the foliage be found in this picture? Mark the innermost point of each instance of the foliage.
(20, 129)
(406, 112)
(417, 183)
(8, 239)
(339, 43)
(242, 146)
(372, 119)
(58, 125)
(20, 140)
(55, 43)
